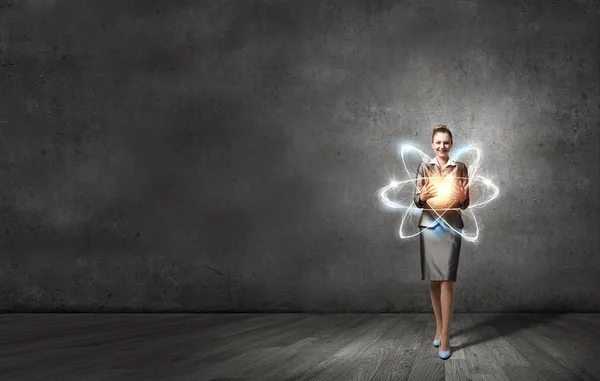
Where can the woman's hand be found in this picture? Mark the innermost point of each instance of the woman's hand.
(428, 191)
(459, 193)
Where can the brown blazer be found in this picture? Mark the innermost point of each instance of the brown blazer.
(430, 169)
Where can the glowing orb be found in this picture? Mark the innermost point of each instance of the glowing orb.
(444, 187)
(443, 201)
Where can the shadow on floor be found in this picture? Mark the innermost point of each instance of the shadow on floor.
(503, 325)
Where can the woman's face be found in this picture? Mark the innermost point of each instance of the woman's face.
(441, 144)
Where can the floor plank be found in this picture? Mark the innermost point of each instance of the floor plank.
(306, 347)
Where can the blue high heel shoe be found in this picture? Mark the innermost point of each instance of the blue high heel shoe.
(444, 355)
(436, 342)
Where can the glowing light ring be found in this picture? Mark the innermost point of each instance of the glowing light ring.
(408, 205)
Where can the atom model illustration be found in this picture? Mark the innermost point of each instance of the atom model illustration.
(487, 192)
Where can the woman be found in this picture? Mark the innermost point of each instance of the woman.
(442, 191)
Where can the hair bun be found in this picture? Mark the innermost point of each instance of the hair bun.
(442, 129)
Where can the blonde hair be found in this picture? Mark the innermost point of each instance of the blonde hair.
(441, 128)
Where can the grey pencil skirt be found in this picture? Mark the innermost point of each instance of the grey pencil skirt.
(440, 251)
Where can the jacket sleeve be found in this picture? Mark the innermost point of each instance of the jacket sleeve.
(465, 182)
(420, 183)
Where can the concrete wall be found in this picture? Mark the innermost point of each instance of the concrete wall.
(224, 155)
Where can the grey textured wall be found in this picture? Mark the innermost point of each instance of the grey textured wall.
(223, 155)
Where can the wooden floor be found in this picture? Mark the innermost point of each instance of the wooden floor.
(297, 347)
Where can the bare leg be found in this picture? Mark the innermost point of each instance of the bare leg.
(435, 289)
(447, 299)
